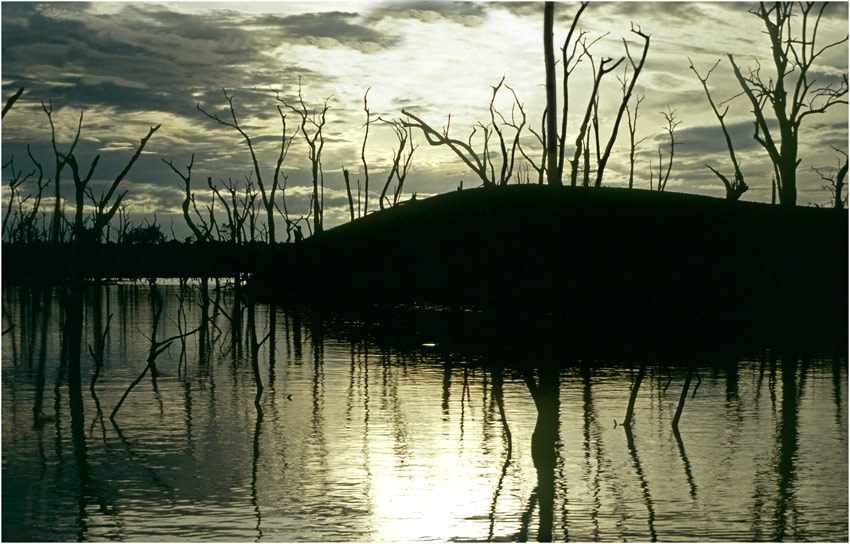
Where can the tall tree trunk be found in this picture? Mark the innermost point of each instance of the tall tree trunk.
(551, 97)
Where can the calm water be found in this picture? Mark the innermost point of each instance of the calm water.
(354, 441)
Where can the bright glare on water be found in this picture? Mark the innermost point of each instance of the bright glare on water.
(355, 440)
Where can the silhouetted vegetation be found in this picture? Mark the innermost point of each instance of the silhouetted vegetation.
(658, 260)
(527, 251)
(791, 93)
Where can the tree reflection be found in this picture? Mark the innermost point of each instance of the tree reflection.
(498, 396)
(787, 446)
(544, 390)
(650, 510)
(589, 417)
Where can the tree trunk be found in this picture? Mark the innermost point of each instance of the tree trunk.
(551, 97)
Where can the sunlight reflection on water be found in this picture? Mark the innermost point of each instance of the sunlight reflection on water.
(358, 441)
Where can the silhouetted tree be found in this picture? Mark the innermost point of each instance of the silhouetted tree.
(552, 174)
(482, 162)
(144, 235)
(316, 118)
(11, 101)
(268, 196)
(633, 142)
(670, 129)
(23, 228)
(630, 408)
(60, 160)
(629, 85)
(790, 93)
(836, 181)
(401, 162)
(555, 143)
(202, 233)
(736, 187)
(104, 207)
(346, 177)
(580, 144)
(363, 157)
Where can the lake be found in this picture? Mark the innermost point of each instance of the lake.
(356, 438)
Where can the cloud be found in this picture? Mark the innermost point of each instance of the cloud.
(139, 57)
(470, 14)
(326, 30)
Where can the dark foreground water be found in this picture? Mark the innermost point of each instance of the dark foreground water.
(351, 440)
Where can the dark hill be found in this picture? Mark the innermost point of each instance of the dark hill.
(595, 255)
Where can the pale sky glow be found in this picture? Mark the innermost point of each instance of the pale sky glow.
(133, 65)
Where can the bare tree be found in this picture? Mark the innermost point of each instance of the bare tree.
(552, 174)
(633, 142)
(604, 68)
(539, 136)
(401, 162)
(553, 143)
(736, 187)
(463, 150)
(363, 157)
(315, 139)
(11, 101)
(347, 179)
(670, 129)
(17, 179)
(201, 234)
(104, 206)
(60, 160)
(568, 64)
(836, 181)
(791, 93)
(481, 162)
(238, 209)
(266, 195)
(636, 69)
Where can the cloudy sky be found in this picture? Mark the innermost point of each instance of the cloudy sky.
(131, 65)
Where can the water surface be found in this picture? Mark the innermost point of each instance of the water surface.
(354, 440)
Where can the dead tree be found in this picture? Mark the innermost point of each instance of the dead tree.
(12, 99)
(507, 157)
(553, 143)
(633, 142)
(630, 408)
(736, 187)
(604, 68)
(682, 397)
(238, 209)
(268, 196)
(60, 160)
(790, 93)
(400, 162)
(541, 139)
(101, 215)
(347, 179)
(482, 162)
(17, 179)
(551, 97)
(670, 129)
(462, 149)
(363, 157)
(636, 69)
(569, 62)
(201, 235)
(315, 139)
(836, 181)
